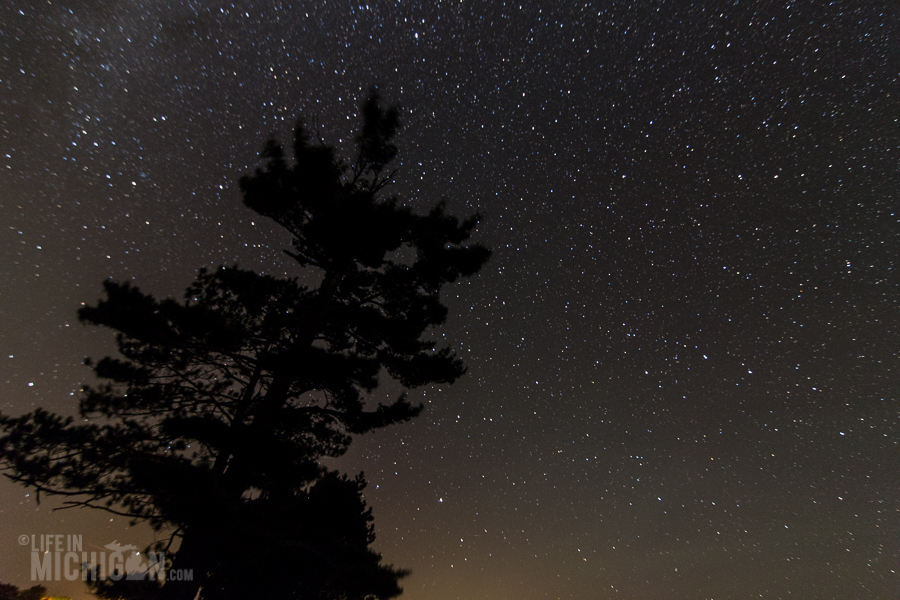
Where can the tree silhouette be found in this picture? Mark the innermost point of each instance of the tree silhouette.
(214, 420)
(11, 592)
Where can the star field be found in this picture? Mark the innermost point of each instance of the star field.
(683, 354)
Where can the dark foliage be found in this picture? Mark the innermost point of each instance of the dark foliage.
(11, 592)
(214, 420)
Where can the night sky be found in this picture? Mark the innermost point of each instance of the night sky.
(683, 353)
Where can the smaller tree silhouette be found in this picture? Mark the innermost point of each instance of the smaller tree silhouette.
(11, 592)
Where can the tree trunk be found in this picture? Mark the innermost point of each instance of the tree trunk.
(186, 575)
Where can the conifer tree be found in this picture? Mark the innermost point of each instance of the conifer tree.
(214, 419)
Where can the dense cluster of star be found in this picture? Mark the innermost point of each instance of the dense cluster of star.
(684, 352)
